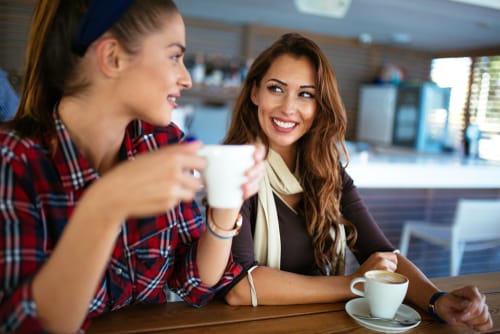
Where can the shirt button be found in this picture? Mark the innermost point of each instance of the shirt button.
(118, 271)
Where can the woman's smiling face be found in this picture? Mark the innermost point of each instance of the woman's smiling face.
(286, 101)
(156, 75)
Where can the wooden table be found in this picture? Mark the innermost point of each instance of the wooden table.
(218, 317)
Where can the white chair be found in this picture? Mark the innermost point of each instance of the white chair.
(476, 226)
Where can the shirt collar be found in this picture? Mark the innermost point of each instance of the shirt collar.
(74, 170)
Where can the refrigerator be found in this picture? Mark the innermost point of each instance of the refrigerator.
(376, 114)
(412, 116)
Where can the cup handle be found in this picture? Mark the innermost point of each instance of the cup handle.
(356, 281)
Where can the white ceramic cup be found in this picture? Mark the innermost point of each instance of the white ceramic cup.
(225, 173)
(384, 290)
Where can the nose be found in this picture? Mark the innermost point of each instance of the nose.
(290, 105)
(185, 78)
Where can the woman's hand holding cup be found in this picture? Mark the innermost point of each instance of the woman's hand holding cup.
(233, 173)
(256, 172)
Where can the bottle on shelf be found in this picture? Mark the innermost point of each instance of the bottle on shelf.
(198, 70)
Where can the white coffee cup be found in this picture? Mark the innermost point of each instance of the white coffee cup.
(225, 173)
(384, 291)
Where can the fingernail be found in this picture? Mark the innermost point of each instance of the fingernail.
(190, 139)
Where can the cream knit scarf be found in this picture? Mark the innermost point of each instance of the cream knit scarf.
(267, 240)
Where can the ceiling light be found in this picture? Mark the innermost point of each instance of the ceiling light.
(332, 8)
(365, 38)
(400, 38)
(495, 4)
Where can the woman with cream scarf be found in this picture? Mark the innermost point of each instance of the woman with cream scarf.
(307, 211)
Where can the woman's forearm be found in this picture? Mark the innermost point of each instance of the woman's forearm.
(66, 284)
(213, 252)
(420, 288)
(276, 287)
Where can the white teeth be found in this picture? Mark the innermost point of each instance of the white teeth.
(172, 98)
(286, 125)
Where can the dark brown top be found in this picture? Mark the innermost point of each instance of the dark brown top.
(297, 253)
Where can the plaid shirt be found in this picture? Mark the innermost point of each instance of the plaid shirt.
(38, 193)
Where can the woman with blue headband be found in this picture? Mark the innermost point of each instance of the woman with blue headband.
(97, 204)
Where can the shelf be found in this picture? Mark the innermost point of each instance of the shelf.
(211, 93)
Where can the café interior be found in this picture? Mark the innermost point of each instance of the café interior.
(420, 81)
(408, 111)
(422, 101)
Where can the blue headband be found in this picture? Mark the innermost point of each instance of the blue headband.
(100, 16)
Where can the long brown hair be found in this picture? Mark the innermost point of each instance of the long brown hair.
(320, 150)
(53, 70)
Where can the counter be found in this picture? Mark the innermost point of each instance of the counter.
(388, 170)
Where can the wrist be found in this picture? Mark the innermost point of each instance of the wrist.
(431, 308)
(221, 232)
(223, 218)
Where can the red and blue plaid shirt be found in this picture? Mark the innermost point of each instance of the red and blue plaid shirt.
(39, 189)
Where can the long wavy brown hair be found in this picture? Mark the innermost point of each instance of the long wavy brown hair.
(53, 70)
(319, 151)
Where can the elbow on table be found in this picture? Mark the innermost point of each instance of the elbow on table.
(56, 327)
(237, 297)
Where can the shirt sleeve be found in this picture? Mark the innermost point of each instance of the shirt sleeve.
(186, 281)
(242, 247)
(370, 236)
(21, 249)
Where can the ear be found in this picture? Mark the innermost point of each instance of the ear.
(253, 94)
(110, 56)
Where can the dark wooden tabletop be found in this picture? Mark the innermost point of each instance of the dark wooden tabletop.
(218, 317)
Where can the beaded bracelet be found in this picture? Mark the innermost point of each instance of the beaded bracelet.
(432, 306)
(220, 233)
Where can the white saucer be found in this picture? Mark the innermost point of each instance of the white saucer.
(360, 306)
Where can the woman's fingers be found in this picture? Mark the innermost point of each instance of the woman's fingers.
(467, 306)
(156, 181)
(382, 261)
(255, 173)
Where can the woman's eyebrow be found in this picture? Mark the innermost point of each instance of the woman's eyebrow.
(278, 81)
(285, 84)
(179, 45)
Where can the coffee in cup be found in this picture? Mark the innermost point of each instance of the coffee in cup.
(225, 173)
(384, 291)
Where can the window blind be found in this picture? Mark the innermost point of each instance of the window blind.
(484, 104)
(455, 74)
(475, 99)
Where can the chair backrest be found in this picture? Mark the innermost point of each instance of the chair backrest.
(478, 219)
